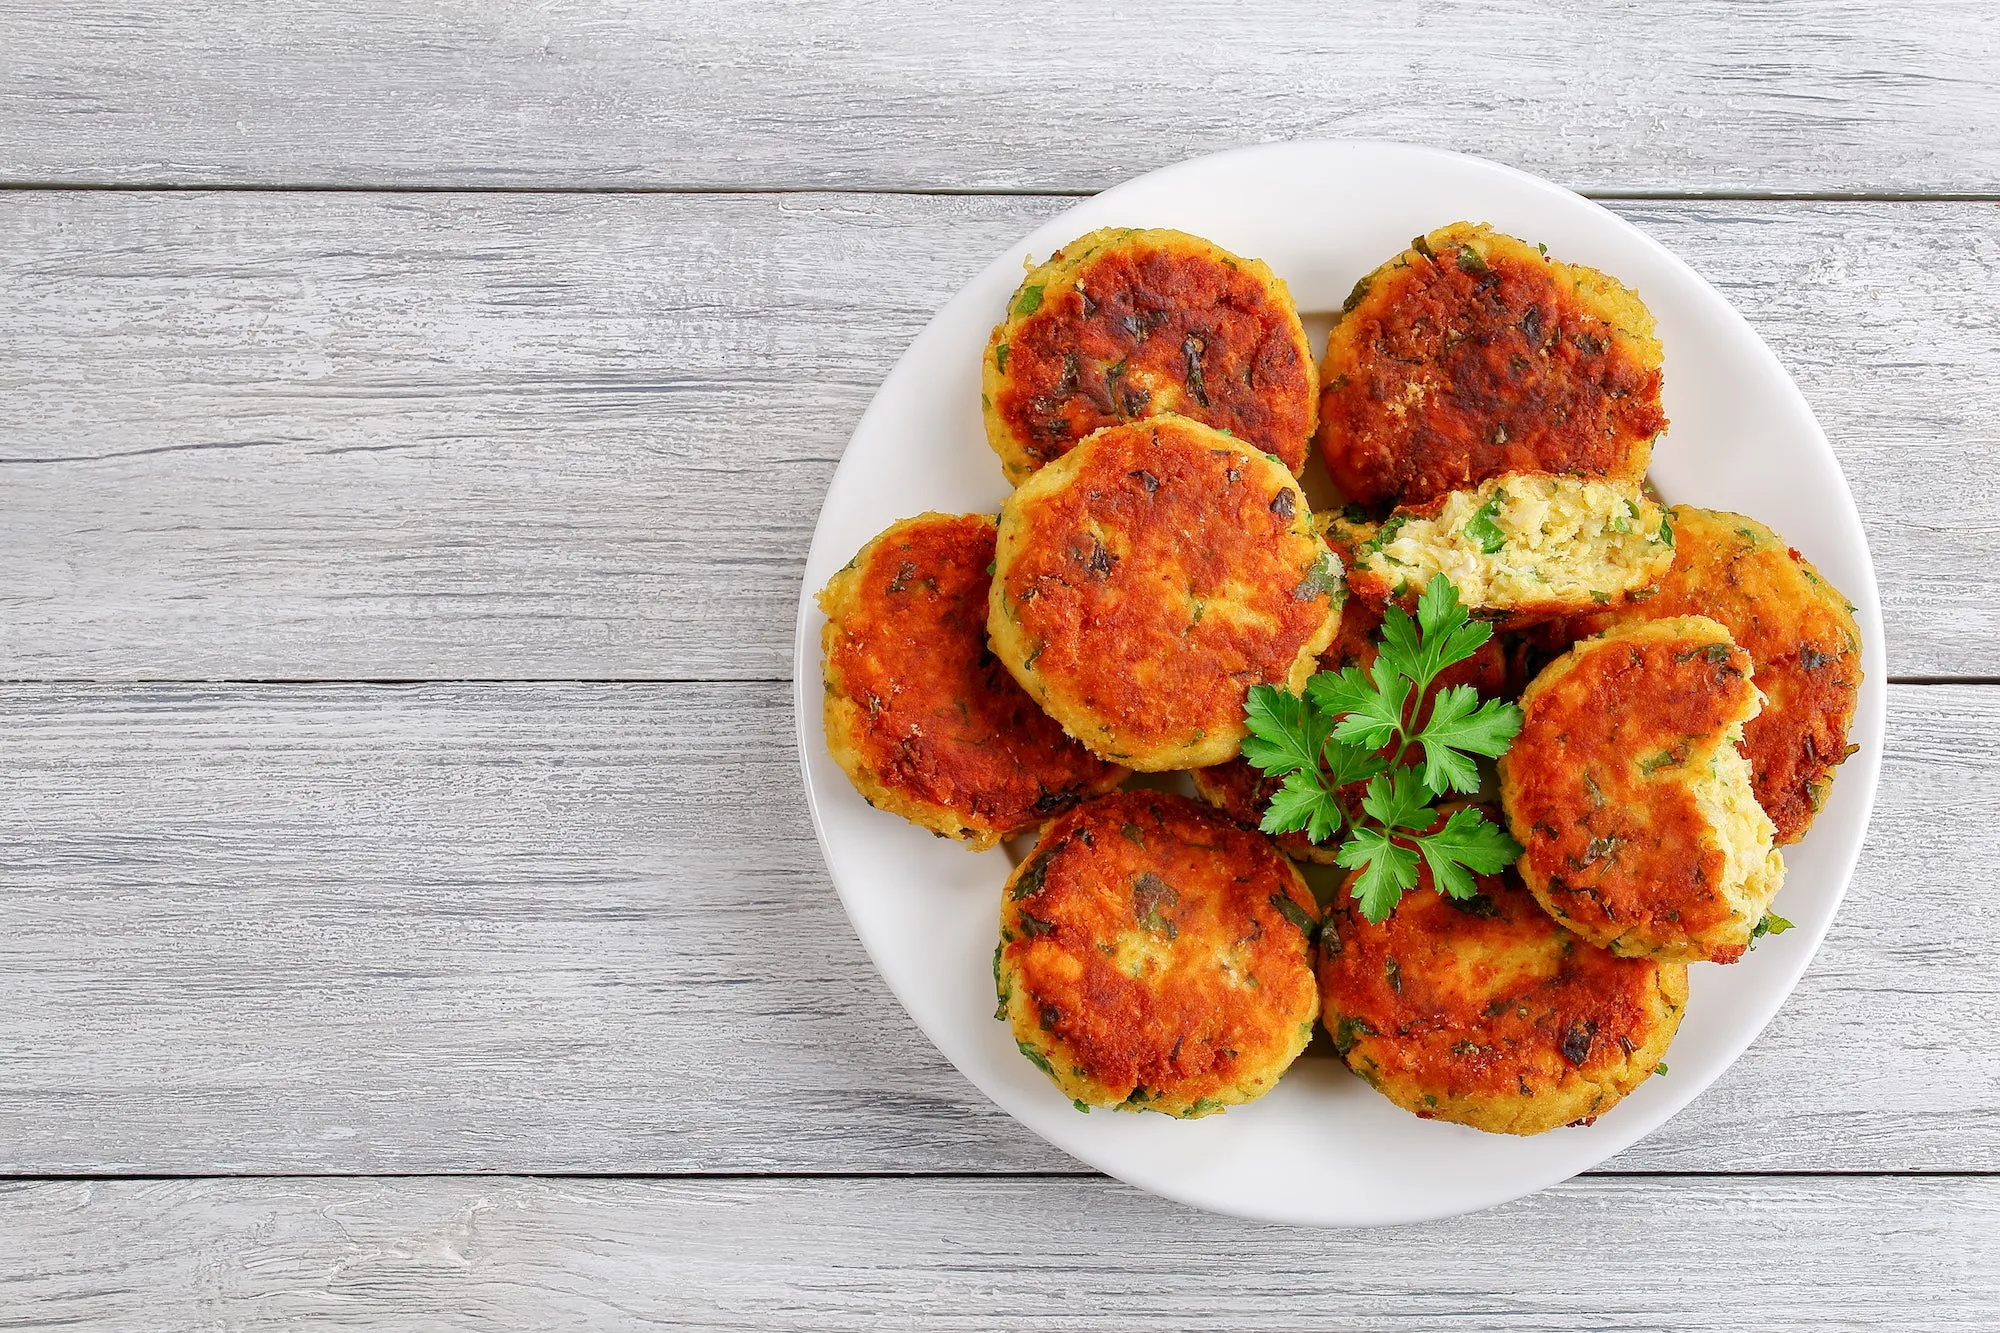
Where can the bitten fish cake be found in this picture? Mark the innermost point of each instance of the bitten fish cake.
(919, 715)
(1124, 324)
(1799, 631)
(1147, 579)
(1627, 789)
(1484, 1012)
(1155, 957)
(1473, 354)
(1519, 548)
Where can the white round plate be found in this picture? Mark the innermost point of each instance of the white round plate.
(1323, 1148)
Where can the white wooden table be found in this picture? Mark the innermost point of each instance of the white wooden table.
(412, 420)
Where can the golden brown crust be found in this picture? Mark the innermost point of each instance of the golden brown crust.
(1487, 1013)
(1147, 579)
(922, 718)
(1798, 630)
(1471, 355)
(1602, 788)
(1155, 956)
(1124, 324)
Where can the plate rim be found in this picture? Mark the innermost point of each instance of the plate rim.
(1871, 701)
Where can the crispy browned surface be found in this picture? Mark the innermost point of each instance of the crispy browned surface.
(1157, 321)
(1148, 580)
(1797, 629)
(1596, 786)
(1488, 1013)
(924, 719)
(1443, 374)
(1144, 956)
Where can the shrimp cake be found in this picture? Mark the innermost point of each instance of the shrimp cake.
(920, 716)
(1484, 1012)
(1473, 354)
(1520, 549)
(1155, 957)
(1147, 579)
(1628, 790)
(1799, 631)
(1124, 324)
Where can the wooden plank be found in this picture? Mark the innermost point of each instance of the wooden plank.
(531, 927)
(1797, 95)
(357, 436)
(824, 1255)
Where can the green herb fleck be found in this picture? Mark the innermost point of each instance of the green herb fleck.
(1039, 1060)
(1000, 357)
(1482, 529)
(1770, 924)
(1028, 301)
(1149, 894)
(1293, 913)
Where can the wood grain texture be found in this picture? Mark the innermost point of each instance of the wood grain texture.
(357, 436)
(1792, 95)
(826, 1255)
(585, 928)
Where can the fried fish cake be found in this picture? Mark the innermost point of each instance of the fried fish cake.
(1148, 578)
(1798, 630)
(1123, 324)
(1471, 354)
(1521, 548)
(1627, 789)
(1156, 957)
(1484, 1012)
(919, 715)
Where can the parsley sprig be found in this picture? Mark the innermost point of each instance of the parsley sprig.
(1354, 727)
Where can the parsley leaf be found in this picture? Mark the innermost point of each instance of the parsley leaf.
(1450, 634)
(1347, 764)
(1398, 800)
(1302, 803)
(1356, 727)
(1388, 871)
(1285, 732)
(1468, 842)
(1460, 726)
(1373, 709)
